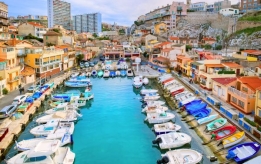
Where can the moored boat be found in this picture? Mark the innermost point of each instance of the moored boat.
(145, 81)
(100, 73)
(154, 109)
(106, 74)
(223, 132)
(166, 128)
(137, 82)
(181, 156)
(123, 73)
(94, 73)
(216, 124)
(233, 140)
(151, 98)
(207, 119)
(147, 91)
(129, 72)
(156, 118)
(195, 108)
(201, 113)
(118, 73)
(153, 103)
(112, 73)
(172, 140)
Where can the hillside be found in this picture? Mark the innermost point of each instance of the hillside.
(253, 16)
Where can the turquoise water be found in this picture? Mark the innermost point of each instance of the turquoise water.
(112, 129)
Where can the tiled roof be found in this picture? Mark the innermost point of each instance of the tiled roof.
(36, 24)
(214, 65)
(52, 33)
(232, 65)
(161, 59)
(249, 51)
(174, 38)
(27, 71)
(255, 53)
(224, 81)
(166, 49)
(12, 27)
(209, 39)
(2, 60)
(183, 57)
(162, 44)
(253, 82)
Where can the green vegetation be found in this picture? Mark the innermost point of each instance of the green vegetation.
(188, 47)
(255, 17)
(105, 29)
(189, 10)
(103, 38)
(5, 91)
(50, 44)
(248, 31)
(218, 47)
(207, 46)
(138, 23)
(226, 72)
(94, 35)
(79, 58)
(252, 123)
(259, 128)
(30, 36)
(56, 30)
(122, 32)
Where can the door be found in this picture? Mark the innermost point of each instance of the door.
(219, 92)
(238, 72)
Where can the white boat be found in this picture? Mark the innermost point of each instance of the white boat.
(118, 73)
(75, 74)
(185, 97)
(106, 73)
(154, 103)
(184, 102)
(145, 81)
(153, 109)
(53, 129)
(129, 73)
(94, 72)
(181, 94)
(45, 152)
(172, 86)
(147, 91)
(181, 156)
(172, 140)
(63, 116)
(171, 83)
(88, 74)
(156, 118)
(63, 108)
(151, 98)
(164, 77)
(166, 128)
(32, 143)
(207, 119)
(176, 89)
(137, 82)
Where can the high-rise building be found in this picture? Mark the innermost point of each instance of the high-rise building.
(222, 5)
(87, 23)
(59, 13)
(250, 5)
(3, 21)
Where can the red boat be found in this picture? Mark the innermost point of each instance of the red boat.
(168, 80)
(177, 92)
(223, 132)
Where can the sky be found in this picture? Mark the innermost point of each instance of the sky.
(123, 12)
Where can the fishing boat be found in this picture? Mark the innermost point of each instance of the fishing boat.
(112, 74)
(202, 113)
(66, 97)
(106, 74)
(164, 77)
(152, 103)
(233, 140)
(187, 101)
(137, 82)
(75, 74)
(156, 118)
(100, 73)
(194, 108)
(32, 143)
(118, 73)
(145, 81)
(45, 152)
(78, 83)
(223, 132)
(166, 128)
(171, 84)
(243, 152)
(150, 94)
(154, 109)
(54, 128)
(24, 107)
(207, 119)
(129, 73)
(254, 160)
(59, 104)
(36, 95)
(62, 116)
(216, 124)
(184, 93)
(167, 81)
(151, 98)
(61, 108)
(185, 97)
(172, 140)
(123, 73)
(148, 91)
(181, 156)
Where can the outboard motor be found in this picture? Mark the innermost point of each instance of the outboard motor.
(164, 160)
(157, 141)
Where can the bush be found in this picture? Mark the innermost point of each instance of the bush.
(188, 47)
(252, 123)
(208, 47)
(218, 47)
(5, 91)
(259, 128)
(226, 72)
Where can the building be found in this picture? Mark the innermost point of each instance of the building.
(52, 37)
(258, 106)
(68, 58)
(210, 7)
(221, 85)
(46, 61)
(41, 17)
(4, 21)
(207, 40)
(59, 13)
(221, 5)
(242, 94)
(250, 5)
(160, 28)
(36, 29)
(87, 23)
(229, 11)
(199, 6)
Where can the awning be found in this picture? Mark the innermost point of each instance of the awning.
(202, 76)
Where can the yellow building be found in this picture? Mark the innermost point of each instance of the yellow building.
(258, 106)
(46, 62)
(160, 28)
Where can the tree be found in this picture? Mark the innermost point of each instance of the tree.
(207, 46)
(56, 30)
(94, 35)
(121, 31)
(49, 44)
(145, 54)
(30, 36)
(218, 47)
(188, 47)
(79, 58)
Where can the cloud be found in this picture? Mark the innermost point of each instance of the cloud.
(123, 12)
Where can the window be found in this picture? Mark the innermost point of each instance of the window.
(34, 159)
(234, 100)
(244, 89)
(37, 61)
(259, 112)
(241, 104)
(259, 95)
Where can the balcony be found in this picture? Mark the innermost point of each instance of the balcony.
(241, 94)
(17, 78)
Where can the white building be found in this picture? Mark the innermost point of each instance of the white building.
(199, 6)
(210, 7)
(36, 29)
(59, 13)
(229, 11)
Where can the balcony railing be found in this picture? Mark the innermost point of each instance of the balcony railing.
(241, 94)
(13, 80)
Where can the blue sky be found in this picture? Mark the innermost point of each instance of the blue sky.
(123, 12)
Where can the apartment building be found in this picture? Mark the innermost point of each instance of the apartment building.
(36, 29)
(59, 13)
(199, 6)
(250, 5)
(4, 21)
(210, 7)
(221, 5)
(87, 23)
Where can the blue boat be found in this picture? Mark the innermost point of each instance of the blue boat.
(78, 83)
(123, 73)
(194, 102)
(29, 100)
(112, 73)
(194, 108)
(243, 152)
(94, 73)
(202, 113)
(36, 95)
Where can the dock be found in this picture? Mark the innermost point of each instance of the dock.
(146, 71)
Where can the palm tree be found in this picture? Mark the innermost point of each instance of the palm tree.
(79, 58)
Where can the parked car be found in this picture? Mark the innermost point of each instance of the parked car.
(102, 58)
(86, 64)
(18, 100)
(33, 88)
(7, 111)
(91, 64)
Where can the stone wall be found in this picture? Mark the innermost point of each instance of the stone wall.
(246, 24)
